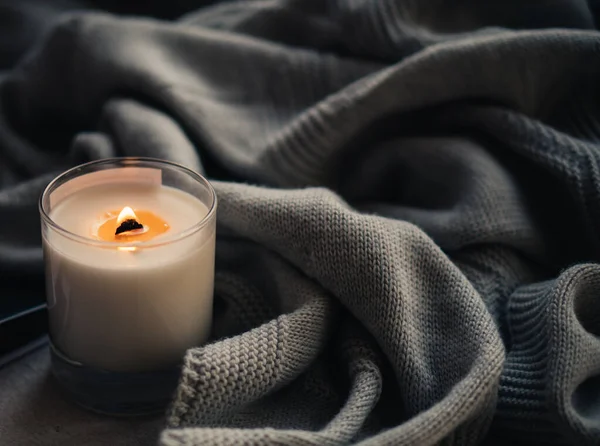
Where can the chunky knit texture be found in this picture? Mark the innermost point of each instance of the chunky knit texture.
(409, 208)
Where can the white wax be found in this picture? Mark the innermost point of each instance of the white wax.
(122, 310)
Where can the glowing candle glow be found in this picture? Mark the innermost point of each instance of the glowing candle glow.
(130, 267)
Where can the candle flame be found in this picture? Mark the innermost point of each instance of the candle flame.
(126, 214)
(124, 226)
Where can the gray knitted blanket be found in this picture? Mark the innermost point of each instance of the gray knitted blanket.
(409, 207)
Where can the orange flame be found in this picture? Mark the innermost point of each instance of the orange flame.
(153, 226)
(126, 214)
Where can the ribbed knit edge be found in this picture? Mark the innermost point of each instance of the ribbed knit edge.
(522, 402)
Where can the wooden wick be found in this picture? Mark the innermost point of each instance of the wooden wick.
(128, 225)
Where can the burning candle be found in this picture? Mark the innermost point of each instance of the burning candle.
(129, 248)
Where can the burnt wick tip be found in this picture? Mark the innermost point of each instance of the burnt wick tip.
(128, 225)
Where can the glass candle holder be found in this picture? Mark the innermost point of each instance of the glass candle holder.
(129, 250)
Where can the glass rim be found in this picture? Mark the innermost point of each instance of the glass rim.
(132, 161)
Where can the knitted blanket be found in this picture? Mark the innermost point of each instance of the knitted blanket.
(409, 207)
